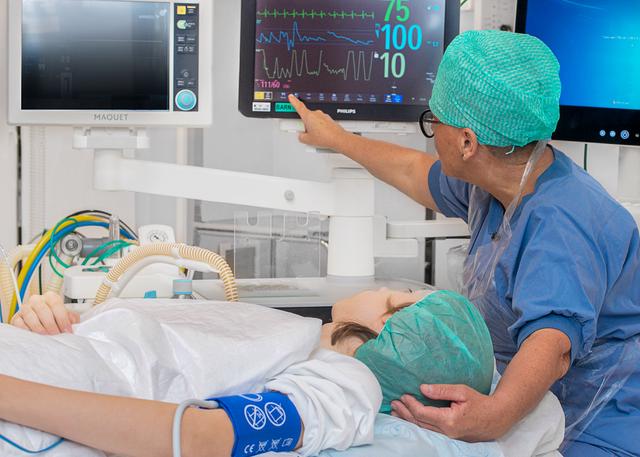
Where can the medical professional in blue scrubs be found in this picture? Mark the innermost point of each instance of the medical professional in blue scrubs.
(553, 262)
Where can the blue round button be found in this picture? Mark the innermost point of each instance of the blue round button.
(603, 133)
(186, 100)
(624, 135)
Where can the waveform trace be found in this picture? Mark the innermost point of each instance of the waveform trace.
(295, 36)
(313, 14)
(358, 66)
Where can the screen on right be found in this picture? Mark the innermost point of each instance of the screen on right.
(598, 46)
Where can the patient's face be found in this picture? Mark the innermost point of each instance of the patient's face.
(371, 309)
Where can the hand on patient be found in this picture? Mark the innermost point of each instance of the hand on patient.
(321, 130)
(46, 315)
(471, 416)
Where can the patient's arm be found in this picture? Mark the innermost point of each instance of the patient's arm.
(337, 398)
(119, 425)
(45, 314)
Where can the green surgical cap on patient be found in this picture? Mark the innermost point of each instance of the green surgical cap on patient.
(504, 86)
(442, 339)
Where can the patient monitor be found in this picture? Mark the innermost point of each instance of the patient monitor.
(110, 62)
(371, 60)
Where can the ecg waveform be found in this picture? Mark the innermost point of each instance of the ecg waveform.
(313, 14)
(291, 38)
(358, 66)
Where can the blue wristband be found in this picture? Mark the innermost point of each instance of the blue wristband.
(266, 422)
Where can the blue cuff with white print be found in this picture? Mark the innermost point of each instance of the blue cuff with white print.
(265, 422)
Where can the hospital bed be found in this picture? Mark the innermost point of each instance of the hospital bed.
(539, 434)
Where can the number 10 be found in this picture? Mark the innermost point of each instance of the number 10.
(397, 64)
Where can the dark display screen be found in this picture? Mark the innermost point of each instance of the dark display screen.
(347, 51)
(95, 55)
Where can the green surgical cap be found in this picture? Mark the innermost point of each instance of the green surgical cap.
(442, 339)
(504, 86)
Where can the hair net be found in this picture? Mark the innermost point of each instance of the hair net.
(442, 339)
(504, 86)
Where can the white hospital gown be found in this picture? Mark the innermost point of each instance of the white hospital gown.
(163, 350)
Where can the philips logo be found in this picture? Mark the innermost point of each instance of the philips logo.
(110, 117)
(346, 111)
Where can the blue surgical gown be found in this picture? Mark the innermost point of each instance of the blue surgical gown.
(573, 264)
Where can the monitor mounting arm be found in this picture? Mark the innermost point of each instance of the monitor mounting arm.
(356, 235)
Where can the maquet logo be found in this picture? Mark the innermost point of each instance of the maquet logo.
(110, 117)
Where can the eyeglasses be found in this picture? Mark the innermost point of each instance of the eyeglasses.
(427, 120)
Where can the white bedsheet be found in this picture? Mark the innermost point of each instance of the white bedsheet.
(171, 351)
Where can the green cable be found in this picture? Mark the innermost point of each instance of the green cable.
(57, 257)
(53, 267)
(99, 249)
(111, 252)
(108, 254)
(52, 250)
(463, 2)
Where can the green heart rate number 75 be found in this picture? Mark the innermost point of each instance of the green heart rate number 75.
(402, 11)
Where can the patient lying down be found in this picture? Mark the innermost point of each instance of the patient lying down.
(119, 375)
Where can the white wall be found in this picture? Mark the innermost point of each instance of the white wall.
(58, 180)
(8, 151)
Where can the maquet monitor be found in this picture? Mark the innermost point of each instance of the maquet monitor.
(598, 46)
(110, 62)
(355, 59)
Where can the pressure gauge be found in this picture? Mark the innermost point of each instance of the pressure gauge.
(150, 234)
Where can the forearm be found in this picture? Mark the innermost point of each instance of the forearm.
(543, 358)
(404, 168)
(116, 425)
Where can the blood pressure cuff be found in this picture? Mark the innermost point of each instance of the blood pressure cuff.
(265, 422)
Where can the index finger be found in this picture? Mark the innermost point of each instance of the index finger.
(298, 105)
(62, 317)
(448, 392)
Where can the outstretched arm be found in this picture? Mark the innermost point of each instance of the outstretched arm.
(123, 426)
(403, 168)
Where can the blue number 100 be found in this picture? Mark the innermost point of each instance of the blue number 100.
(401, 37)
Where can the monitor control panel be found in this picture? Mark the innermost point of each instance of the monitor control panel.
(186, 56)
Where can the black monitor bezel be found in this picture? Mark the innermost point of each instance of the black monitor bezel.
(584, 124)
(363, 112)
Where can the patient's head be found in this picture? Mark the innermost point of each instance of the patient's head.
(361, 317)
(441, 339)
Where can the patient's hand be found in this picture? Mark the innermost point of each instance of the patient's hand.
(46, 315)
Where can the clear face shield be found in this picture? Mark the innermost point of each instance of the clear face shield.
(587, 386)
(479, 269)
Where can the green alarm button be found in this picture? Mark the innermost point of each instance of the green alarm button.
(285, 108)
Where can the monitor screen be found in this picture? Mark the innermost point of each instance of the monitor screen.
(357, 59)
(95, 55)
(598, 46)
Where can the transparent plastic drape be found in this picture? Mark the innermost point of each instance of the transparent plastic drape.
(592, 380)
